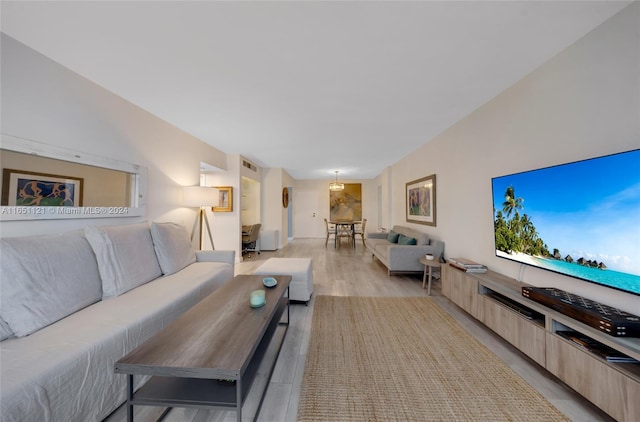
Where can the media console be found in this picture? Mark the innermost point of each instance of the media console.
(601, 367)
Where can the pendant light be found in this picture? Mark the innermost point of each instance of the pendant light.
(335, 186)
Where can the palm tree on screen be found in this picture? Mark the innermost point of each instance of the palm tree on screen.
(511, 204)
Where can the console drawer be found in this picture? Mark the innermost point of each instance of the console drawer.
(526, 335)
(600, 382)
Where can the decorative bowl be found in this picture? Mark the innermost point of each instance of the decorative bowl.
(429, 257)
(269, 281)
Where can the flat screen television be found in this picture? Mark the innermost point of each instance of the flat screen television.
(580, 219)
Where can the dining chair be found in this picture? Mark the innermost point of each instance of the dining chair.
(330, 229)
(344, 231)
(360, 229)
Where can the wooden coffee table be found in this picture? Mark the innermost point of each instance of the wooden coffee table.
(220, 338)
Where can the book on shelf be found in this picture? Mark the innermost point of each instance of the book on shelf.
(469, 270)
(476, 270)
(463, 262)
(467, 265)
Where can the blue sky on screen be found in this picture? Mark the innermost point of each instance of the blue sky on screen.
(589, 208)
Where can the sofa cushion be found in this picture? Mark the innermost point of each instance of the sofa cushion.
(173, 247)
(393, 236)
(406, 240)
(382, 250)
(125, 255)
(421, 238)
(45, 278)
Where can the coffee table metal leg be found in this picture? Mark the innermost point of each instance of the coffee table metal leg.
(239, 399)
(129, 398)
(164, 414)
(288, 308)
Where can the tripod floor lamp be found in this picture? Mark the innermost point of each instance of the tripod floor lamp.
(200, 197)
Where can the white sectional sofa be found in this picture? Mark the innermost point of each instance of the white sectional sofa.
(72, 304)
(401, 248)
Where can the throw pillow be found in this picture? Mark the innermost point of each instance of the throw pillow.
(173, 247)
(406, 240)
(126, 258)
(393, 236)
(46, 278)
(422, 239)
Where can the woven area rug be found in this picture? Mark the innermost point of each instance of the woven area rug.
(406, 359)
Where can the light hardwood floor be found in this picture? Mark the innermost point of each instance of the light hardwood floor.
(353, 272)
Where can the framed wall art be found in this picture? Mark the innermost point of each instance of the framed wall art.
(225, 202)
(346, 204)
(32, 189)
(421, 201)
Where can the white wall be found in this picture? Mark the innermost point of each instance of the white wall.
(48, 103)
(582, 103)
(288, 182)
(383, 221)
(250, 202)
(272, 209)
(272, 198)
(227, 226)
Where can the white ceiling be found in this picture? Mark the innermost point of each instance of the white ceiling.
(310, 87)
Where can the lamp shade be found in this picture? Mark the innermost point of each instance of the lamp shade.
(199, 196)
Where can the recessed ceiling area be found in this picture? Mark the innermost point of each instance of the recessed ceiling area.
(310, 87)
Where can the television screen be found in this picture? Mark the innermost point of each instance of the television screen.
(580, 219)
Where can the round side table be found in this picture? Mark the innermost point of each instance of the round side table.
(429, 265)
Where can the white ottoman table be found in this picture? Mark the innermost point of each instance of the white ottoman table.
(299, 269)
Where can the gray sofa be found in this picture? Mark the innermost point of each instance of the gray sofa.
(72, 304)
(399, 258)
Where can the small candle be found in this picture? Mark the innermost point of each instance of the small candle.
(257, 298)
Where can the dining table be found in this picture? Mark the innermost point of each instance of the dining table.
(345, 223)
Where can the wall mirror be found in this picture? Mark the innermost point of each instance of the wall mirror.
(41, 181)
